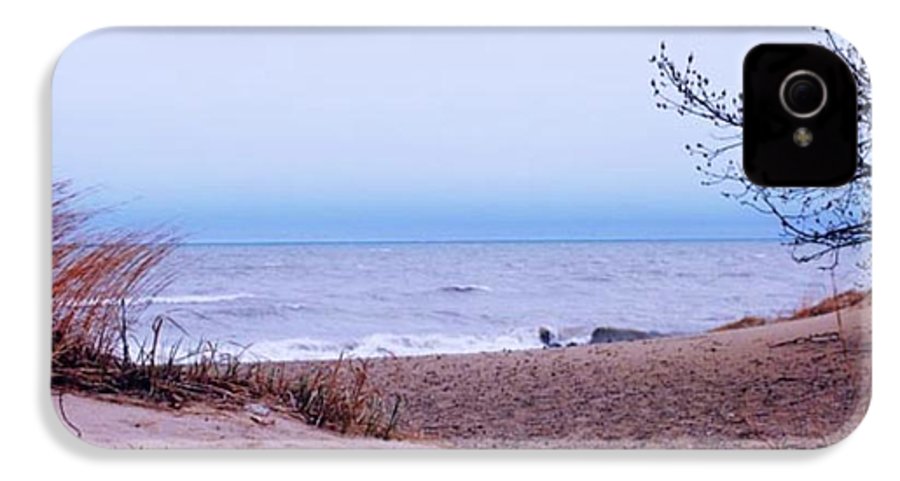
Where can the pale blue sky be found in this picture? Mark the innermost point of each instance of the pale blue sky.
(231, 135)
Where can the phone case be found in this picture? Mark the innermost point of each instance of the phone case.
(462, 237)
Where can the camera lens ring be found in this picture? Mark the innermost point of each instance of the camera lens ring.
(784, 89)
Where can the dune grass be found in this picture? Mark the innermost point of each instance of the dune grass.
(831, 304)
(834, 303)
(99, 278)
(94, 275)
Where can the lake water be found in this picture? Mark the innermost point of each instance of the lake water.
(317, 300)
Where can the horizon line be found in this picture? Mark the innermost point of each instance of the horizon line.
(476, 241)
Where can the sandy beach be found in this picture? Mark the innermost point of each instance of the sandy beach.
(801, 383)
(114, 422)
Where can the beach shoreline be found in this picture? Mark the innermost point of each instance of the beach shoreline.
(800, 383)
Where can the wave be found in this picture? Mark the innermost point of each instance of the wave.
(466, 288)
(181, 299)
(195, 298)
(389, 345)
(380, 345)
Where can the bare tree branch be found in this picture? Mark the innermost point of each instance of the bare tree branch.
(816, 223)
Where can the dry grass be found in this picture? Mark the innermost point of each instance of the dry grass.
(336, 396)
(831, 304)
(95, 276)
(98, 278)
(828, 305)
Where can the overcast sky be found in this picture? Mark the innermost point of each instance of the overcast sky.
(365, 135)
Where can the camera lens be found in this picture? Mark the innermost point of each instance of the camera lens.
(803, 94)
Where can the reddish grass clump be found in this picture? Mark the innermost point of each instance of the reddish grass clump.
(831, 304)
(828, 305)
(98, 277)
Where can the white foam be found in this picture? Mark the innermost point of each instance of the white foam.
(387, 345)
(180, 299)
(196, 298)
